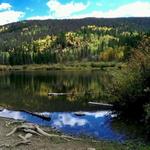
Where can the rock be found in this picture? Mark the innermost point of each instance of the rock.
(91, 149)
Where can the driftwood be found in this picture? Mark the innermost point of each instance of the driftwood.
(21, 128)
(26, 137)
(12, 132)
(4, 145)
(35, 129)
(59, 94)
(30, 129)
(101, 105)
(80, 114)
(73, 93)
(14, 122)
(42, 116)
(55, 135)
(26, 142)
(22, 142)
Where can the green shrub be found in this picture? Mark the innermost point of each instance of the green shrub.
(132, 86)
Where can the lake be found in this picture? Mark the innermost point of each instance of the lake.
(29, 91)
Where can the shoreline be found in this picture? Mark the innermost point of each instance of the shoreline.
(56, 143)
(66, 66)
(46, 143)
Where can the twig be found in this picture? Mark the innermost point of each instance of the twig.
(35, 129)
(4, 145)
(54, 135)
(22, 137)
(42, 116)
(26, 142)
(28, 135)
(31, 131)
(13, 131)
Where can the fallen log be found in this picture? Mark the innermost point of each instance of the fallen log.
(31, 131)
(101, 105)
(22, 127)
(79, 113)
(42, 116)
(26, 137)
(58, 94)
(12, 132)
(31, 127)
(39, 130)
(26, 142)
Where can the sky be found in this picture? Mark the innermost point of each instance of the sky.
(17, 10)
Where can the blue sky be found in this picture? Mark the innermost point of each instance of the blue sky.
(16, 10)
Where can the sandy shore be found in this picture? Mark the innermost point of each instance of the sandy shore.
(37, 142)
(47, 143)
(57, 143)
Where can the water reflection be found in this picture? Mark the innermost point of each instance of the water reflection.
(92, 124)
(29, 90)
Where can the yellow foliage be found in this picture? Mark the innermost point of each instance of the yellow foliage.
(112, 54)
(96, 28)
(73, 39)
(3, 29)
(44, 43)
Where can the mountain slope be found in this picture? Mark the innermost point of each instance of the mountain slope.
(56, 26)
(51, 41)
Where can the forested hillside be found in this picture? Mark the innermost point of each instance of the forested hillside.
(57, 41)
(124, 42)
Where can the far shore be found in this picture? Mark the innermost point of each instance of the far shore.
(63, 66)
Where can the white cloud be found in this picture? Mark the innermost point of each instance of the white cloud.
(7, 15)
(136, 9)
(68, 119)
(11, 114)
(4, 6)
(59, 10)
(10, 16)
(40, 18)
(98, 114)
(67, 11)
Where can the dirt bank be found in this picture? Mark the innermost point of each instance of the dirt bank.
(47, 143)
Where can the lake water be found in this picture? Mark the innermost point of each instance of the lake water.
(92, 124)
(29, 91)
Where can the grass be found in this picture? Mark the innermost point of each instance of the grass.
(130, 145)
(64, 66)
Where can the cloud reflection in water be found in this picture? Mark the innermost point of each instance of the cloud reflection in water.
(93, 124)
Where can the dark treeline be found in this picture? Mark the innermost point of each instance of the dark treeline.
(57, 41)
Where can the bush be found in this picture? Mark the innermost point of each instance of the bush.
(111, 54)
(103, 64)
(132, 85)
